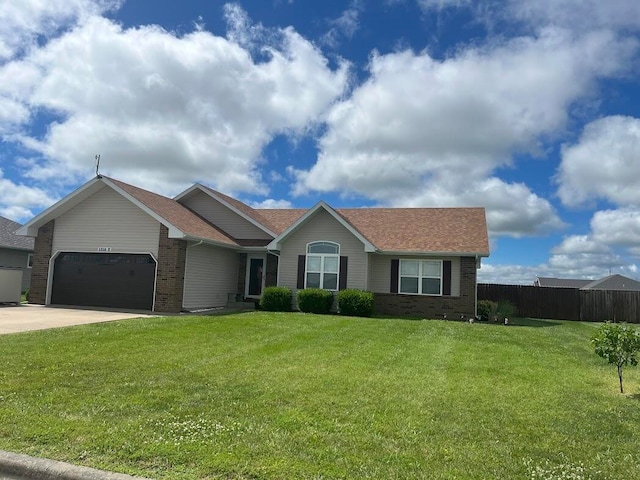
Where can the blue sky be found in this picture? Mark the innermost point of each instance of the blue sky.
(529, 109)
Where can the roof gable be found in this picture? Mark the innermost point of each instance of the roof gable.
(241, 209)
(181, 222)
(306, 217)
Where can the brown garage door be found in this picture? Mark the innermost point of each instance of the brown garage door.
(114, 280)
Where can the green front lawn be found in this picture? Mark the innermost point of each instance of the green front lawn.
(273, 396)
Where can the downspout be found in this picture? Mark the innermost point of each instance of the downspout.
(475, 313)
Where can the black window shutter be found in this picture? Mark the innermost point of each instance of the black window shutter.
(446, 277)
(343, 272)
(395, 272)
(301, 268)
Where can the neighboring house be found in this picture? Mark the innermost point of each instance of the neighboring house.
(15, 250)
(560, 282)
(112, 244)
(611, 282)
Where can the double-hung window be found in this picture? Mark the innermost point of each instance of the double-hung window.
(421, 277)
(323, 265)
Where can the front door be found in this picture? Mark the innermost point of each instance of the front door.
(255, 276)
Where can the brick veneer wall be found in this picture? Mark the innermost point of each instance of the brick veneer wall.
(172, 254)
(40, 265)
(434, 307)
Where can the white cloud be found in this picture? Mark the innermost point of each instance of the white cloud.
(164, 110)
(418, 124)
(603, 164)
(617, 227)
(22, 21)
(345, 25)
(17, 200)
(574, 244)
(442, 4)
(512, 209)
(577, 14)
(272, 203)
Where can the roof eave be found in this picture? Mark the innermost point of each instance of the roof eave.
(208, 241)
(434, 253)
(30, 229)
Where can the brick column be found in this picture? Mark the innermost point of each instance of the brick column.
(172, 254)
(40, 268)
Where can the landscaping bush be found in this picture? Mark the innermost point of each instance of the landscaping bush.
(26, 294)
(315, 300)
(487, 309)
(276, 299)
(357, 303)
(505, 309)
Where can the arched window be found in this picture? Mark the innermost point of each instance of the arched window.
(323, 265)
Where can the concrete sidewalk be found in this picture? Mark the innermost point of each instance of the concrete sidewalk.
(27, 317)
(14, 466)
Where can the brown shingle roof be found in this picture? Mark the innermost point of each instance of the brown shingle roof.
(176, 214)
(438, 230)
(282, 218)
(442, 230)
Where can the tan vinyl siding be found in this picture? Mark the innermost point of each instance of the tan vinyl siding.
(323, 227)
(223, 218)
(211, 275)
(380, 272)
(106, 219)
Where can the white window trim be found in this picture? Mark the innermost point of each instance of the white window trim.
(420, 277)
(30, 260)
(322, 257)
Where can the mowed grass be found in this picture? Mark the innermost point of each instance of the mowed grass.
(279, 396)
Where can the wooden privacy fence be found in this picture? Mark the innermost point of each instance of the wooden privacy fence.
(566, 303)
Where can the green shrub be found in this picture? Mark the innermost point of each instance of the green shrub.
(487, 309)
(26, 294)
(276, 299)
(506, 309)
(315, 300)
(357, 303)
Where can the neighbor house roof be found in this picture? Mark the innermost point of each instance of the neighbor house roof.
(613, 282)
(561, 282)
(9, 239)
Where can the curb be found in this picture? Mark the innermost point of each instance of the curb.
(32, 468)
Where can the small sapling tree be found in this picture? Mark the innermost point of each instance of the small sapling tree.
(618, 344)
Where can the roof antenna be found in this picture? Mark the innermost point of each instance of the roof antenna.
(97, 157)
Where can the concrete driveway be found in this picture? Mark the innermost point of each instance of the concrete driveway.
(25, 317)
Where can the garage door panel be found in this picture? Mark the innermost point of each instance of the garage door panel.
(104, 280)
